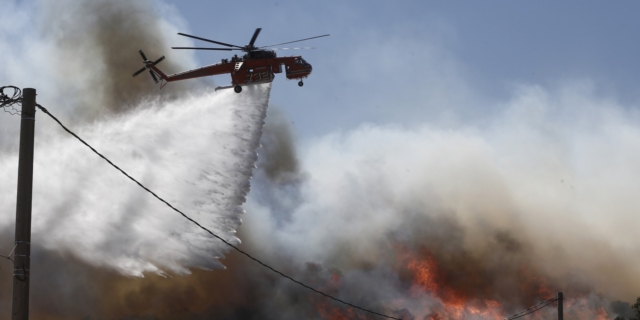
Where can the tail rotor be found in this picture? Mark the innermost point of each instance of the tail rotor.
(147, 64)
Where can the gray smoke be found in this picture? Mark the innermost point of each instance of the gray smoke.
(504, 211)
(279, 160)
(80, 55)
(96, 47)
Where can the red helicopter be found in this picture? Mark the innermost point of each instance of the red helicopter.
(257, 65)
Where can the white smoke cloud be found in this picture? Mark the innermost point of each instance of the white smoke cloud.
(556, 168)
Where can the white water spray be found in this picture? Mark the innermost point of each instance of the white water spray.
(197, 153)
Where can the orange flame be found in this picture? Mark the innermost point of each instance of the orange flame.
(438, 299)
(329, 312)
(427, 278)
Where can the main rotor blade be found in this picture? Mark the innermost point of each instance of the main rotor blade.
(302, 48)
(198, 48)
(158, 61)
(207, 40)
(140, 71)
(255, 36)
(273, 45)
(142, 55)
(153, 75)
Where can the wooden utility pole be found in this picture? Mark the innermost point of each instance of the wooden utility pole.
(21, 265)
(560, 311)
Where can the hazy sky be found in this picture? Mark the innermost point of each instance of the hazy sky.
(411, 62)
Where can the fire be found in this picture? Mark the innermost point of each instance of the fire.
(329, 312)
(581, 308)
(425, 272)
(433, 291)
(534, 284)
(601, 314)
(428, 278)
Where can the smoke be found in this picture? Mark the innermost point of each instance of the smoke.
(80, 55)
(537, 201)
(410, 221)
(96, 64)
(279, 160)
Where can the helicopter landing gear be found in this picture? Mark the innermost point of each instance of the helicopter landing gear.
(237, 89)
(300, 84)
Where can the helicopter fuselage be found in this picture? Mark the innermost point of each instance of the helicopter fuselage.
(252, 68)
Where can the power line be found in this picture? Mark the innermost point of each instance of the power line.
(207, 230)
(8, 257)
(7, 102)
(533, 309)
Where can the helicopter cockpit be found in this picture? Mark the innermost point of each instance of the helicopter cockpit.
(300, 61)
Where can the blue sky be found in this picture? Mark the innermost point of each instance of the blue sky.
(411, 62)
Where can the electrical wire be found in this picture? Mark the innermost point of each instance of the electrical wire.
(10, 253)
(533, 309)
(7, 102)
(529, 312)
(207, 230)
